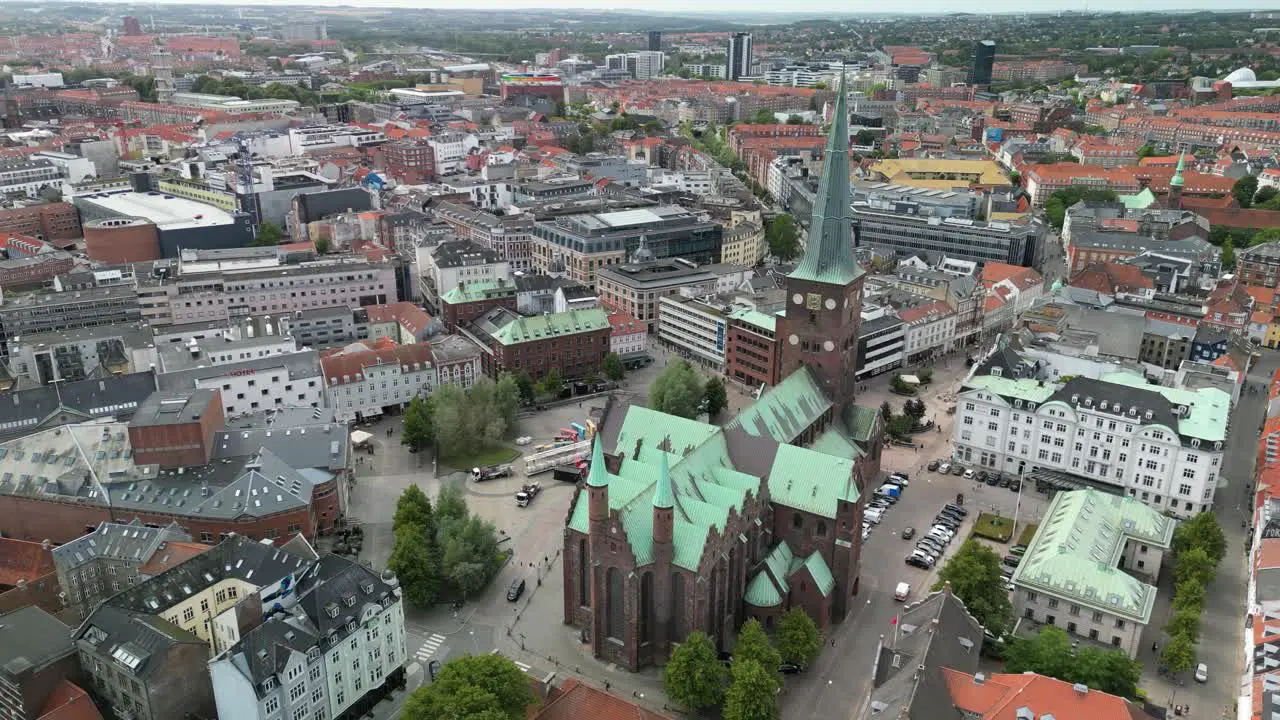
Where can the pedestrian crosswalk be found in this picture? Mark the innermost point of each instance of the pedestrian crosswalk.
(429, 647)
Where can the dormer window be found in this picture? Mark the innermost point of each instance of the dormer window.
(1103, 405)
(1075, 399)
(1147, 415)
(1133, 411)
(997, 371)
(349, 600)
(1088, 402)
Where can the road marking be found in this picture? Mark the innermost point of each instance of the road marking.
(429, 647)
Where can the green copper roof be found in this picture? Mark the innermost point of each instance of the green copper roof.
(541, 327)
(1210, 408)
(834, 443)
(1141, 201)
(773, 582)
(598, 476)
(475, 291)
(662, 495)
(861, 421)
(807, 480)
(1177, 173)
(764, 321)
(821, 574)
(786, 409)
(828, 253)
(1076, 552)
(1025, 390)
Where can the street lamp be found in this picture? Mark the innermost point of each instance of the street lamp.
(1017, 506)
(474, 646)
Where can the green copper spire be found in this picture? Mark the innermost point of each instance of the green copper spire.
(828, 254)
(1177, 174)
(663, 495)
(598, 476)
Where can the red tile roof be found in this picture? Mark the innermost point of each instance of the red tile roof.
(576, 701)
(409, 316)
(933, 311)
(173, 554)
(1000, 696)
(621, 323)
(22, 560)
(69, 702)
(1110, 278)
(1021, 277)
(348, 366)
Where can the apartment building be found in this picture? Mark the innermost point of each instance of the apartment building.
(636, 288)
(80, 353)
(291, 378)
(1041, 181)
(334, 652)
(752, 351)
(510, 236)
(451, 263)
(627, 336)
(117, 556)
(1260, 265)
(930, 330)
(1092, 566)
(52, 221)
(36, 660)
(1160, 445)
(363, 382)
(29, 177)
(42, 311)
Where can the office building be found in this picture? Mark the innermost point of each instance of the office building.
(334, 650)
(234, 105)
(28, 177)
(1162, 446)
(655, 40)
(580, 245)
(36, 659)
(46, 221)
(751, 353)
(1092, 566)
(81, 353)
(897, 228)
(636, 288)
(572, 343)
(451, 263)
(172, 223)
(697, 330)
(280, 378)
(984, 58)
(643, 65)
(881, 341)
(738, 56)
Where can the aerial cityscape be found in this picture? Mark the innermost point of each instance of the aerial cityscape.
(548, 362)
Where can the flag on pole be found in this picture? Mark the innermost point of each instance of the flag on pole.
(894, 621)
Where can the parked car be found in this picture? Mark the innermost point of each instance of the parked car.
(932, 552)
(901, 474)
(1202, 673)
(908, 533)
(993, 480)
(1005, 481)
(897, 481)
(515, 590)
(982, 476)
(902, 592)
(790, 668)
(957, 470)
(931, 542)
(1018, 550)
(933, 465)
(919, 562)
(947, 523)
(968, 474)
(948, 532)
(956, 508)
(924, 556)
(873, 516)
(1011, 560)
(949, 512)
(944, 467)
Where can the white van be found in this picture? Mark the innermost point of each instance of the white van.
(902, 592)
(873, 516)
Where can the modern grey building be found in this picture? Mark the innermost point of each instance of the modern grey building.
(46, 406)
(335, 652)
(984, 59)
(898, 227)
(36, 656)
(108, 560)
(881, 341)
(738, 56)
(43, 311)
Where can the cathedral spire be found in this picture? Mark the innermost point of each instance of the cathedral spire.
(1177, 173)
(598, 476)
(828, 254)
(663, 495)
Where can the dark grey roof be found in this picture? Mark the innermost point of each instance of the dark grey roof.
(317, 205)
(536, 283)
(301, 364)
(259, 564)
(335, 592)
(1211, 335)
(132, 542)
(463, 253)
(576, 292)
(875, 325)
(1120, 398)
(128, 635)
(1266, 251)
(1011, 364)
(31, 638)
(172, 408)
(267, 648)
(300, 437)
(936, 633)
(114, 395)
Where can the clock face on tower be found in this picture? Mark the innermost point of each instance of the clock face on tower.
(813, 301)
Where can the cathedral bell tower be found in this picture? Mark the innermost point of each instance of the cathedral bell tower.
(824, 292)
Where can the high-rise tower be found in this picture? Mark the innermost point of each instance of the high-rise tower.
(824, 293)
(738, 62)
(655, 40)
(984, 58)
(162, 72)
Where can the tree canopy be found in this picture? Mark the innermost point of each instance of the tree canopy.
(1050, 653)
(716, 397)
(466, 421)
(783, 237)
(473, 687)
(694, 676)
(753, 694)
(677, 391)
(417, 432)
(753, 645)
(975, 577)
(799, 641)
(1244, 190)
(613, 368)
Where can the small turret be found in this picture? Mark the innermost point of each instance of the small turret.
(598, 489)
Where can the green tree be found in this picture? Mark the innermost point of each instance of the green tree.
(414, 564)
(468, 544)
(795, 120)
(926, 376)
(414, 508)
(525, 383)
(1244, 190)
(764, 116)
(1110, 671)
(799, 641)
(677, 391)
(1179, 654)
(753, 645)
(452, 422)
(322, 246)
(753, 694)
(783, 238)
(1015, 178)
(715, 396)
(417, 431)
(694, 676)
(914, 409)
(1047, 652)
(1265, 195)
(613, 368)
(864, 138)
(975, 577)
(1188, 597)
(886, 410)
(506, 401)
(473, 686)
(551, 384)
(1193, 567)
(269, 233)
(1055, 208)
(1185, 622)
(1228, 255)
(1201, 531)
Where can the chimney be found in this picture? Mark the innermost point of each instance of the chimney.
(1081, 688)
(46, 545)
(979, 678)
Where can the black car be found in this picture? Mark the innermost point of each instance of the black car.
(908, 533)
(930, 545)
(981, 476)
(1011, 560)
(1015, 485)
(958, 509)
(915, 561)
(515, 590)
(951, 516)
(790, 668)
(946, 522)
(1006, 481)
(933, 465)
(957, 470)
(993, 480)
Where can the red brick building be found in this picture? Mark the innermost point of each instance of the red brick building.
(751, 356)
(176, 429)
(572, 343)
(469, 301)
(410, 162)
(54, 221)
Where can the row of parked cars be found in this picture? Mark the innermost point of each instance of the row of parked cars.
(930, 547)
(994, 479)
(885, 497)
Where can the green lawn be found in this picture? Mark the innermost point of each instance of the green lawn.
(1028, 532)
(994, 527)
(489, 456)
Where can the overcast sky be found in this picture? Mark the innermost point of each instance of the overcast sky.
(808, 7)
